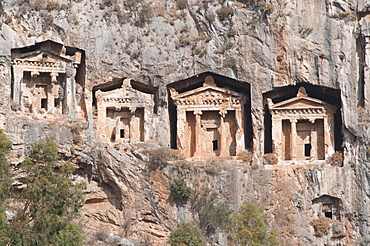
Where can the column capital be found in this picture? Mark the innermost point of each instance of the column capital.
(223, 112)
(198, 112)
(312, 120)
(293, 120)
(54, 76)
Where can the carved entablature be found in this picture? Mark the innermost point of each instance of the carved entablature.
(46, 61)
(208, 97)
(301, 107)
(124, 97)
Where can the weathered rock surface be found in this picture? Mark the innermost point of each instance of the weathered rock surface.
(128, 202)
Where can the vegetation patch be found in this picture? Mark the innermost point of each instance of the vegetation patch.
(250, 226)
(245, 156)
(270, 159)
(181, 4)
(186, 234)
(224, 13)
(180, 191)
(336, 159)
(207, 211)
(42, 212)
(321, 226)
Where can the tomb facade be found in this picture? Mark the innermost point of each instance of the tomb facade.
(44, 80)
(209, 120)
(302, 128)
(327, 206)
(123, 114)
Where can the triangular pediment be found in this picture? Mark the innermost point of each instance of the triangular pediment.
(125, 94)
(207, 91)
(300, 102)
(44, 56)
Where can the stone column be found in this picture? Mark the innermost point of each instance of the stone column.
(181, 134)
(198, 134)
(18, 79)
(293, 139)
(134, 128)
(223, 133)
(277, 131)
(101, 117)
(49, 98)
(239, 138)
(313, 153)
(70, 92)
(329, 135)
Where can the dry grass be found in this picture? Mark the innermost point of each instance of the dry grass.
(336, 159)
(271, 158)
(224, 12)
(245, 156)
(321, 226)
(181, 4)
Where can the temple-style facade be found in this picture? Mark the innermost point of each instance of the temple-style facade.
(210, 120)
(302, 128)
(123, 114)
(44, 80)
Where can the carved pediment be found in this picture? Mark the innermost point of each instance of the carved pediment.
(124, 96)
(301, 104)
(297, 102)
(209, 94)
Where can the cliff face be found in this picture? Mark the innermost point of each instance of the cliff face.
(274, 47)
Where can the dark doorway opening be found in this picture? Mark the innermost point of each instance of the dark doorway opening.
(44, 103)
(329, 215)
(122, 133)
(307, 150)
(215, 144)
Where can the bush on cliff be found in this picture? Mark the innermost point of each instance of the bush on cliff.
(186, 234)
(42, 211)
(250, 226)
(180, 191)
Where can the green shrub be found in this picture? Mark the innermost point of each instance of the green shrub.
(5, 175)
(224, 12)
(250, 227)
(208, 213)
(180, 190)
(186, 234)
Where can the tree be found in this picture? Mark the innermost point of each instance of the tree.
(209, 213)
(186, 234)
(250, 227)
(5, 184)
(44, 209)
